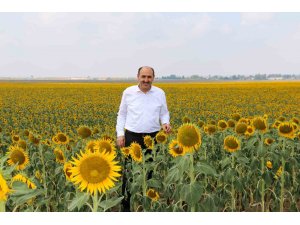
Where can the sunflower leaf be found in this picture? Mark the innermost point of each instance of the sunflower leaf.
(205, 168)
(78, 201)
(22, 193)
(107, 204)
(173, 175)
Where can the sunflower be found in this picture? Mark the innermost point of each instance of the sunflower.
(295, 120)
(26, 133)
(15, 138)
(189, 137)
(106, 136)
(136, 152)
(24, 179)
(278, 172)
(95, 130)
(231, 123)
(34, 139)
(243, 120)
(269, 164)
(260, 124)
(236, 116)
(286, 129)
(105, 145)
(67, 170)
(125, 151)
(38, 176)
(55, 140)
(4, 190)
(62, 138)
(151, 193)
(17, 156)
(231, 144)
(295, 126)
(212, 122)
(174, 149)
(241, 128)
(59, 155)
(210, 129)
(185, 119)
(22, 144)
(269, 141)
(250, 131)
(90, 146)
(222, 124)
(200, 123)
(95, 171)
(47, 142)
(281, 118)
(84, 132)
(161, 137)
(276, 124)
(148, 141)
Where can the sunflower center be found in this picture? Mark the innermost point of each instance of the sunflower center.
(259, 124)
(178, 150)
(137, 152)
(222, 124)
(59, 155)
(161, 138)
(231, 143)
(151, 194)
(94, 169)
(17, 157)
(105, 146)
(285, 129)
(62, 138)
(241, 128)
(16, 138)
(84, 132)
(188, 136)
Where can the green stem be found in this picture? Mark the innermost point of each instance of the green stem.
(144, 185)
(293, 170)
(282, 177)
(192, 179)
(2, 206)
(95, 202)
(232, 186)
(44, 172)
(262, 164)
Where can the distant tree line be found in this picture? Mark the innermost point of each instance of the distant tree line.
(234, 77)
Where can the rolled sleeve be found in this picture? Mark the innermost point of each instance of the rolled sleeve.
(164, 113)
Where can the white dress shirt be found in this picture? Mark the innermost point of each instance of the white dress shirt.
(142, 112)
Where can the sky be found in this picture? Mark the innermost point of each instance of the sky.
(116, 44)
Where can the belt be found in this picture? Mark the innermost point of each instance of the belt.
(138, 134)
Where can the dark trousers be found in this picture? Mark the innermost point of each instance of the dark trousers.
(129, 138)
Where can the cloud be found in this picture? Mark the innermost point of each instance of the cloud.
(255, 18)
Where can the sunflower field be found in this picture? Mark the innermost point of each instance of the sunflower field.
(234, 146)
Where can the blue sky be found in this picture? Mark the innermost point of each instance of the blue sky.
(116, 44)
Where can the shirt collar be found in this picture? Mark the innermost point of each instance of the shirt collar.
(139, 90)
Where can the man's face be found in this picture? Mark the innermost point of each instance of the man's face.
(145, 78)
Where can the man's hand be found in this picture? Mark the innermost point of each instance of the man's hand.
(121, 141)
(167, 128)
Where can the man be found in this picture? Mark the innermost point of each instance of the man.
(143, 111)
(143, 107)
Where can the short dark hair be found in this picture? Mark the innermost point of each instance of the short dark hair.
(146, 67)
